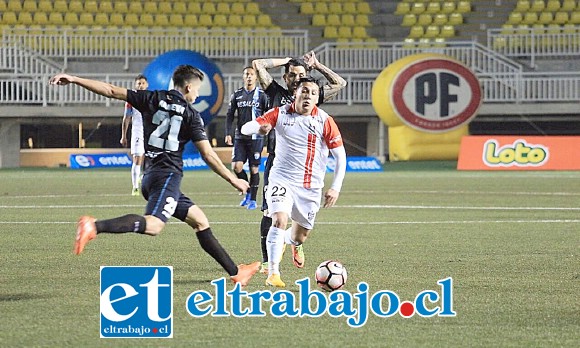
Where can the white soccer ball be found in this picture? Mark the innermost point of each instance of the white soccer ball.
(330, 275)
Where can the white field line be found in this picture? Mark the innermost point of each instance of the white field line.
(550, 221)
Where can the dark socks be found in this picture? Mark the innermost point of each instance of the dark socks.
(211, 246)
(242, 175)
(254, 184)
(264, 228)
(123, 224)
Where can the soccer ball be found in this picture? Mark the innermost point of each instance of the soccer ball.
(330, 275)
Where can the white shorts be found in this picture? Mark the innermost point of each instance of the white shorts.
(137, 146)
(300, 203)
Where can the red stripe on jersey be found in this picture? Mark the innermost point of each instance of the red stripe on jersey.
(270, 117)
(310, 153)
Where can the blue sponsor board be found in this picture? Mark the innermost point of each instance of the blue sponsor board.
(82, 161)
(357, 164)
(136, 302)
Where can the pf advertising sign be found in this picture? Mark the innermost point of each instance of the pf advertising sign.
(428, 92)
(519, 153)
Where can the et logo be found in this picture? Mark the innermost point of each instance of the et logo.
(428, 92)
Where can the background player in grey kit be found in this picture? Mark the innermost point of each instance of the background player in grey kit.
(169, 122)
(248, 102)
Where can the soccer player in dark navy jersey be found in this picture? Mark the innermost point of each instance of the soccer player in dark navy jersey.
(169, 122)
(248, 102)
(294, 70)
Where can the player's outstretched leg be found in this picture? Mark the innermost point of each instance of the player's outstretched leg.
(86, 231)
(245, 273)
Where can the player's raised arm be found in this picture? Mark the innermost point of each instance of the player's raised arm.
(99, 87)
(262, 65)
(335, 81)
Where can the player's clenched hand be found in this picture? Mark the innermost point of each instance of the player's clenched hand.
(330, 198)
(310, 60)
(241, 185)
(265, 128)
(61, 79)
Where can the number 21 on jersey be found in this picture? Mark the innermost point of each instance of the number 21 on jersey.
(165, 135)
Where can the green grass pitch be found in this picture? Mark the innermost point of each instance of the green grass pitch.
(510, 240)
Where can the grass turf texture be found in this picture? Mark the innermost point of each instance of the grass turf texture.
(510, 240)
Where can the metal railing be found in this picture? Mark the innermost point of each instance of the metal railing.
(63, 44)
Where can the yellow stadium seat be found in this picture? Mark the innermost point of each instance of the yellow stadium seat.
(190, 20)
(409, 20)
(74, 6)
(344, 32)
(335, 8)
(235, 20)
(545, 17)
(439, 42)
(176, 20)
(106, 6)
(530, 18)
(418, 8)
(561, 18)
(403, 8)
(363, 8)
(349, 8)
(463, 6)
(165, 7)
(448, 7)
(117, 19)
(136, 7)
(222, 8)
(416, 32)
(553, 5)
(330, 32)
(574, 18)
(433, 7)
(515, 18)
(55, 18)
(205, 20)
(249, 20)
(121, 7)
(46, 6)
(14, 5)
(440, 19)
(238, 8)
(161, 19)
(447, 31)
(319, 20)
(102, 19)
(333, 19)
(321, 7)
(180, 7)
(359, 32)
(220, 20)
(9, 18)
(348, 20)
(424, 42)
(150, 7)
(362, 20)
(307, 8)
(523, 6)
(432, 31)
(409, 43)
(208, 7)
(499, 43)
(71, 18)
(538, 6)
(568, 5)
(91, 6)
(194, 7)
(264, 20)
(146, 20)
(29, 5)
(253, 8)
(86, 18)
(424, 19)
(455, 18)
(26, 17)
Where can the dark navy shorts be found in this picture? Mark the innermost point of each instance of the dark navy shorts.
(162, 190)
(267, 167)
(250, 150)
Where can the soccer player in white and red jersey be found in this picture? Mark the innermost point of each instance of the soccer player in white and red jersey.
(133, 116)
(305, 135)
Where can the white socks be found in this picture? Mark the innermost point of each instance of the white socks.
(275, 247)
(135, 175)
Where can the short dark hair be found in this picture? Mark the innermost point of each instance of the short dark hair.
(294, 62)
(140, 77)
(185, 73)
(306, 79)
(248, 67)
